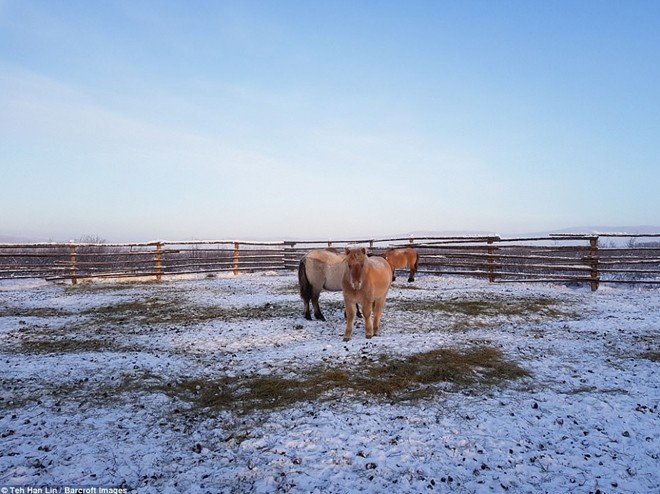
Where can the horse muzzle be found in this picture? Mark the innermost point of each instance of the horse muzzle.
(356, 285)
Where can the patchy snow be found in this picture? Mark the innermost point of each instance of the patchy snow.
(84, 398)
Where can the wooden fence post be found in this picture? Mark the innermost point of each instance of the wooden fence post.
(74, 270)
(236, 254)
(593, 254)
(491, 261)
(159, 262)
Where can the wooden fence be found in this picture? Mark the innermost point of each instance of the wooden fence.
(592, 259)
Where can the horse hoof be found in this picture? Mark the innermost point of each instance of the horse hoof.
(308, 317)
(346, 339)
(369, 336)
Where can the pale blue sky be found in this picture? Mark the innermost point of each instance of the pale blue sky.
(142, 120)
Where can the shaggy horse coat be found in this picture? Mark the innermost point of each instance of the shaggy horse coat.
(366, 281)
(319, 269)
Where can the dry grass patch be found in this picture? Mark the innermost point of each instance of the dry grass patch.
(486, 307)
(470, 313)
(179, 312)
(652, 356)
(32, 345)
(44, 312)
(395, 379)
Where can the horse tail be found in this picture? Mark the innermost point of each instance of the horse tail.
(303, 281)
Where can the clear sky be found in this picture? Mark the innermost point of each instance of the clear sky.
(142, 120)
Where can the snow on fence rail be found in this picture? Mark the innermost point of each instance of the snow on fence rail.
(580, 258)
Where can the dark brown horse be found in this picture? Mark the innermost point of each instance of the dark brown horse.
(403, 258)
(366, 281)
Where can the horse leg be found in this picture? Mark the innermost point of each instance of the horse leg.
(378, 312)
(411, 276)
(413, 269)
(308, 316)
(350, 318)
(368, 324)
(317, 308)
(357, 312)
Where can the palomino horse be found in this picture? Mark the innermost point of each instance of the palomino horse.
(320, 269)
(365, 282)
(402, 258)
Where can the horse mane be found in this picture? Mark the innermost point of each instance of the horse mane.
(355, 254)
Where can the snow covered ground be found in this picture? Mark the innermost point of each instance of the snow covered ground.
(103, 385)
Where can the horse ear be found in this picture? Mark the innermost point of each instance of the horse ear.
(364, 251)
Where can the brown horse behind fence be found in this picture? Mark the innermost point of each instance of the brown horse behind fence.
(406, 257)
(366, 282)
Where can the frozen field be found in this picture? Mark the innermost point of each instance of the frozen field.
(220, 385)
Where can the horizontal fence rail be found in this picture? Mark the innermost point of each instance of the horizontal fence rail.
(581, 258)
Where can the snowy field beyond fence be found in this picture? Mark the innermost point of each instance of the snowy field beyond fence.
(220, 385)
